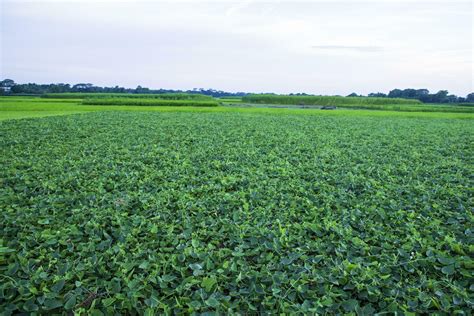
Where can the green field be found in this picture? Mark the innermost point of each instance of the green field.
(226, 210)
(150, 102)
(372, 103)
(23, 107)
(165, 96)
(324, 100)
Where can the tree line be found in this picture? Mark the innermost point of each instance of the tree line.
(423, 95)
(8, 86)
(37, 89)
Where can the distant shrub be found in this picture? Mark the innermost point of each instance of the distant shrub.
(148, 102)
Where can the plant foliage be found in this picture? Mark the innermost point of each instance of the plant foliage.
(323, 100)
(164, 96)
(235, 213)
(149, 102)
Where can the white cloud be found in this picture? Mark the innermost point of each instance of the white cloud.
(315, 47)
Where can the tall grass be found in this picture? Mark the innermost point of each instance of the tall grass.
(323, 100)
(410, 107)
(148, 102)
(164, 96)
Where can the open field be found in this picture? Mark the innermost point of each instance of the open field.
(232, 210)
(150, 102)
(387, 107)
(165, 96)
(23, 107)
(384, 104)
(323, 100)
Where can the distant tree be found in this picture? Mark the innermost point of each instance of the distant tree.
(440, 97)
(353, 94)
(7, 83)
(82, 87)
(377, 95)
(470, 98)
(395, 93)
(140, 89)
(451, 98)
(59, 88)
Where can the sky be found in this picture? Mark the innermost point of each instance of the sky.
(318, 47)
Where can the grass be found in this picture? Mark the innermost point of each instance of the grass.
(230, 99)
(386, 107)
(165, 96)
(21, 107)
(235, 211)
(150, 102)
(324, 100)
(383, 104)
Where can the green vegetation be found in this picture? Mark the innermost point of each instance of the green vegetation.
(231, 99)
(372, 103)
(423, 95)
(149, 102)
(22, 107)
(164, 96)
(193, 210)
(323, 100)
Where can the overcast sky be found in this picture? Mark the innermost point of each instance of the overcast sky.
(255, 46)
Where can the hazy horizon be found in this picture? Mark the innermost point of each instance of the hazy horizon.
(252, 46)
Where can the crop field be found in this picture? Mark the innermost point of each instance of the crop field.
(164, 96)
(323, 100)
(150, 102)
(23, 107)
(181, 210)
(372, 103)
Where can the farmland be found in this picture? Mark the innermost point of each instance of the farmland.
(149, 102)
(323, 100)
(22, 107)
(131, 209)
(372, 103)
(164, 96)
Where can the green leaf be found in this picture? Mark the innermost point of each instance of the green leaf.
(212, 302)
(152, 301)
(5, 250)
(350, 305)
(30, 306)
(70, 303)
(168, 278)
(208, 283)
(195, 266)
(108, 301)
(95, 312)
(58, 286)
(367, 310)
(446, 261)
(448, 269)
(144, 265)
(149, 312)
(51, 303)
